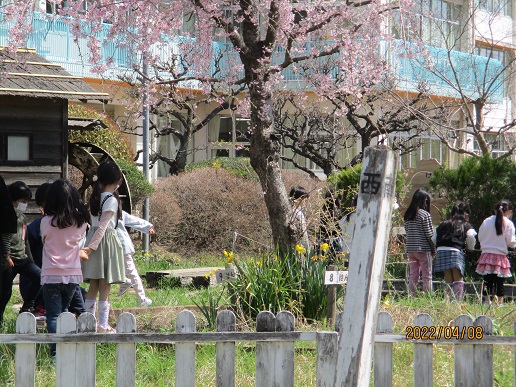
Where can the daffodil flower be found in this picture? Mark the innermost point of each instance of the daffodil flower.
(259, 263)
(323, 257)
(300, 249)
(226, 254)
(314, 258)
(325, 247)
(230, 257)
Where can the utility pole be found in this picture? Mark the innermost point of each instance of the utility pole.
(146, 144)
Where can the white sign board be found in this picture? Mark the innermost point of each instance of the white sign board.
(335, 277)
(225, 275)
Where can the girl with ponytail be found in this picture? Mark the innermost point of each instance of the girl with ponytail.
(495, 235)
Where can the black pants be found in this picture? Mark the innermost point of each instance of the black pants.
(493, 285)
(29, 269)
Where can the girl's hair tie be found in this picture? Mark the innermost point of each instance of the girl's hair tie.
(95, 178)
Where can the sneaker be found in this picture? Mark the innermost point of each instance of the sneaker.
(38, 314)
(146, 302)
(108, 329)
(124, 287)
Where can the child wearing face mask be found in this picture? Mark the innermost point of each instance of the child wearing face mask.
(18, 257)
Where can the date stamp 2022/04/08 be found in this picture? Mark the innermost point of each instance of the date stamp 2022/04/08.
(433, 332)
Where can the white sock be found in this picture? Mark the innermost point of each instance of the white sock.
(103, 313)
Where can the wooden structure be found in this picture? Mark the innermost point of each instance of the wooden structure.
(473, 344)
(34, 96)
(366, 266)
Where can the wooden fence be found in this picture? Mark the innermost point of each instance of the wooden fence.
(275, 338)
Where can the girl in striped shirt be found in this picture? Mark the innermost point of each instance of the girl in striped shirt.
(419, 245)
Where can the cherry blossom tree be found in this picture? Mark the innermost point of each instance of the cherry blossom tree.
(271, 45)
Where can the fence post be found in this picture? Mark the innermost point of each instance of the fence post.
(65, 352)
(483, 353)
(86, 352)
(185, 352)
(366, 267)
(423, 355)
(332, 299)
(464, 354)
(126, 352)
(226, 322)
(327, 343)
(383, 353)
(274, 360)
(25, 357)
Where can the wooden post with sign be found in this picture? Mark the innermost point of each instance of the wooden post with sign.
(366, 267)
(332, 299)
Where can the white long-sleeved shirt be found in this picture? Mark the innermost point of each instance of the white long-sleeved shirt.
(496, 244)
(134, 222)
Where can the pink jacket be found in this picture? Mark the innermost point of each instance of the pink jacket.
(61, 249)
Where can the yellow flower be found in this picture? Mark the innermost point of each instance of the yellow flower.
(276, 258)
(226, 253)
(211, 273)
(314, 258)
(230, 257)
(300, 249)
(259, 263)
(206, 276)
(323, 257)
(325, 247)
(147, 254)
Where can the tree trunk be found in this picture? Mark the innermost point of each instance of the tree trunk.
(265, 159)
(479, 125)
(179, 163)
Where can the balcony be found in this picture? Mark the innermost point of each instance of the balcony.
(451, 70)
(53, 40)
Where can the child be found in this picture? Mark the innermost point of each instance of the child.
(105, 265)
(419, 245)
(496, 234)
(62, 231)
(7, 226)
(36, 248)
(18, 257)
(298, 196)
(127, 244)
(452, 236)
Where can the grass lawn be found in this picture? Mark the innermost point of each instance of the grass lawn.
(156, 362)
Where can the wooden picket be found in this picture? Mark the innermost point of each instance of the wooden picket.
(275, 339)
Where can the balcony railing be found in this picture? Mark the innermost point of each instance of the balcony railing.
(451, 73)
(53, 39)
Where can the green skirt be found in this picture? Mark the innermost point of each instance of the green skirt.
(107, 262)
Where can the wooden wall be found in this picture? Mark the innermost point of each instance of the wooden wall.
(45, 120)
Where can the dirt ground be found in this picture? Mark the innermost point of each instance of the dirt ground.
(155, 318)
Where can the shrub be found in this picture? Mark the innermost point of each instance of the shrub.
(481, 182)
(138, 184)
(110, 139)
(198, 211)
(238, 166)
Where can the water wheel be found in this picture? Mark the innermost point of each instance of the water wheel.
(86, 158)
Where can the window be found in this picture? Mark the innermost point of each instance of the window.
(437, 24)
(492, 53)
(501, 7)
(498, 143)
(16, 148)
(228, 137)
